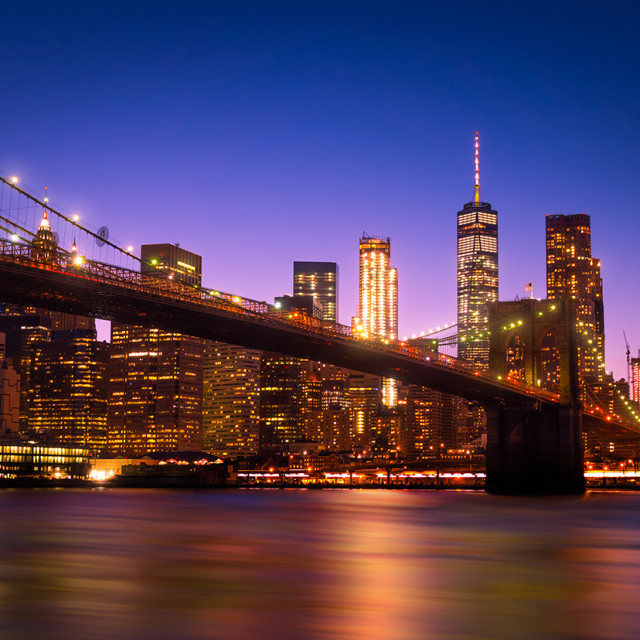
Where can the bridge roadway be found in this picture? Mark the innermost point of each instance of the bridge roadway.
(103, 291)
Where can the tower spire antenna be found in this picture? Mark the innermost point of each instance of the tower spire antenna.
(45, 216)
(477, 172)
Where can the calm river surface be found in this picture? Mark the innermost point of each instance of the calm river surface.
(305, 564)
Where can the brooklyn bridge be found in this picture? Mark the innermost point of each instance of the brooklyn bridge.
(534, 435)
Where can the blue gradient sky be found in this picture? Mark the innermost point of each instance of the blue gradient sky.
(256, 133)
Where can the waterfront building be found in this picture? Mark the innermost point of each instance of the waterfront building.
(156, 376)
(320, 280)
(573, 273)
(477, 272)
(19, 458)
(231, 396)
(68, 389)
(378, 301)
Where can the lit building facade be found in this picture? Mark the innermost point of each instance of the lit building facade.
(320, 280)
(477, 273)
(156, 377)
(23, 327)
(378, 301)
(231, 399)
(284, 391)
(430, 421)
(573, 273)
(635, 378)
(156, 391)
(19, 458)
(44, 247)
(364, 393)
(9, 398)
(173, 261)
(68, 389)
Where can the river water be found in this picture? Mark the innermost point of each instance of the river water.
(315, 564)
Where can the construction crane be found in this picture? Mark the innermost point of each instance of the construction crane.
(628, 361)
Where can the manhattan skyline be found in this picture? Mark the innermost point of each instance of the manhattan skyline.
(260, 134)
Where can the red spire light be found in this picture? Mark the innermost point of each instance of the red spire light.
(477, 171)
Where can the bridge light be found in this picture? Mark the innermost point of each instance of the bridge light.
(129, 248)
(78, 261)
(14, 238)
(75, 217)
(14, 179)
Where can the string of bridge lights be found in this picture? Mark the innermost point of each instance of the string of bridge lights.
(579, 328)
(582, 331)
(426, 334)
(74, 217)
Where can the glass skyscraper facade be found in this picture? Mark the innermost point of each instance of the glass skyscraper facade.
(477, 273)
(320, 280)
(573, 273)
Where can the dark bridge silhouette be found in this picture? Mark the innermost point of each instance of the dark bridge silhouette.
(534, 436)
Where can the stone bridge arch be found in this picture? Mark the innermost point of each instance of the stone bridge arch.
(543, 333)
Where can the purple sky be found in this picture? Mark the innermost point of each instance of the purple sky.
(256, 133)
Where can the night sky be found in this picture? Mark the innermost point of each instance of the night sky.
(256, 133)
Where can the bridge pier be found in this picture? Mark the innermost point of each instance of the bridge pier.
(534, 451)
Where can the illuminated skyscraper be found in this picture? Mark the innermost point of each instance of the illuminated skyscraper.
(289, 388)
(155, 375)
(573, 273)
(477, 273)
(378, 300)
(44, 246)
(635, 378)
(230, 421)
(320, 280)
(68, 392)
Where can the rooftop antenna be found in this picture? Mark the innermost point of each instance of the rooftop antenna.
(45, 216)
(477, 172)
